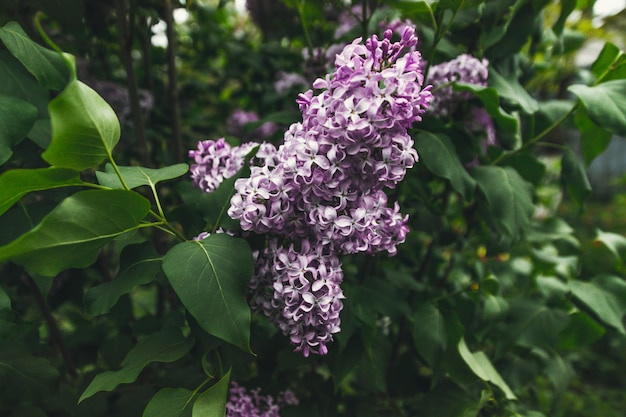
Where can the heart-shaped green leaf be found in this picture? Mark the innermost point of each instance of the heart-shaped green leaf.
(71, 235)
(508, 196)
(211, 277)
(85, 129)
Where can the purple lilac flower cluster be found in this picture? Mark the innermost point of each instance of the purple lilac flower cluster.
(324, 187)
(327, 189)
(216, 161)
(464, 68)
(299, 289)
(252, 404)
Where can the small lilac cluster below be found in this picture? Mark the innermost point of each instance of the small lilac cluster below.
(322, 193)
(252, 404)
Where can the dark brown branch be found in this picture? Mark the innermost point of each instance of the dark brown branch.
(172, 74)
(53, 329)
(125, 26)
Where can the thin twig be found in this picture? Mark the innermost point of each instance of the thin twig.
(53, 329)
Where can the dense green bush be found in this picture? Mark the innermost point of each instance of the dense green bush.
(492, 305)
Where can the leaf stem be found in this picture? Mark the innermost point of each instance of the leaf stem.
(166, 226)
(70, 65)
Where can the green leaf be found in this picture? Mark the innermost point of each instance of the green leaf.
(5, 301)
(605, 297)
(438, 154)
(508, 196)
(512, 90)
(71, 235)
(532, 324)
(85, 129)
(447, 399)
(429, 333)
(491, 100)
(18, 117)
(136, 176)
(528, 167)
(480, 364)
(574, 177)
(28, 376)
(608, 57)
(459, 4)
(495, 307)
(47, 66)
(416, 10)
(605, 104)
(16, 183)
(581, 331)
(559, 372)
(212, 402)
(567, 7)
(17, 82)
(615, 243)
(211, 277)
(372, 369)
(139, 264)
(167, 345)
(594, 139)
(170, 402)
(41, 133)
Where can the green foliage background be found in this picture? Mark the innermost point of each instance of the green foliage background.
(505, 300)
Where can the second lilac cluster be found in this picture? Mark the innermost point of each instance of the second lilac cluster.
(464, 68)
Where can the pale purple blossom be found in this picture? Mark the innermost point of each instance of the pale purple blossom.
(464, 68)
(217, 160)
(244, 403)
